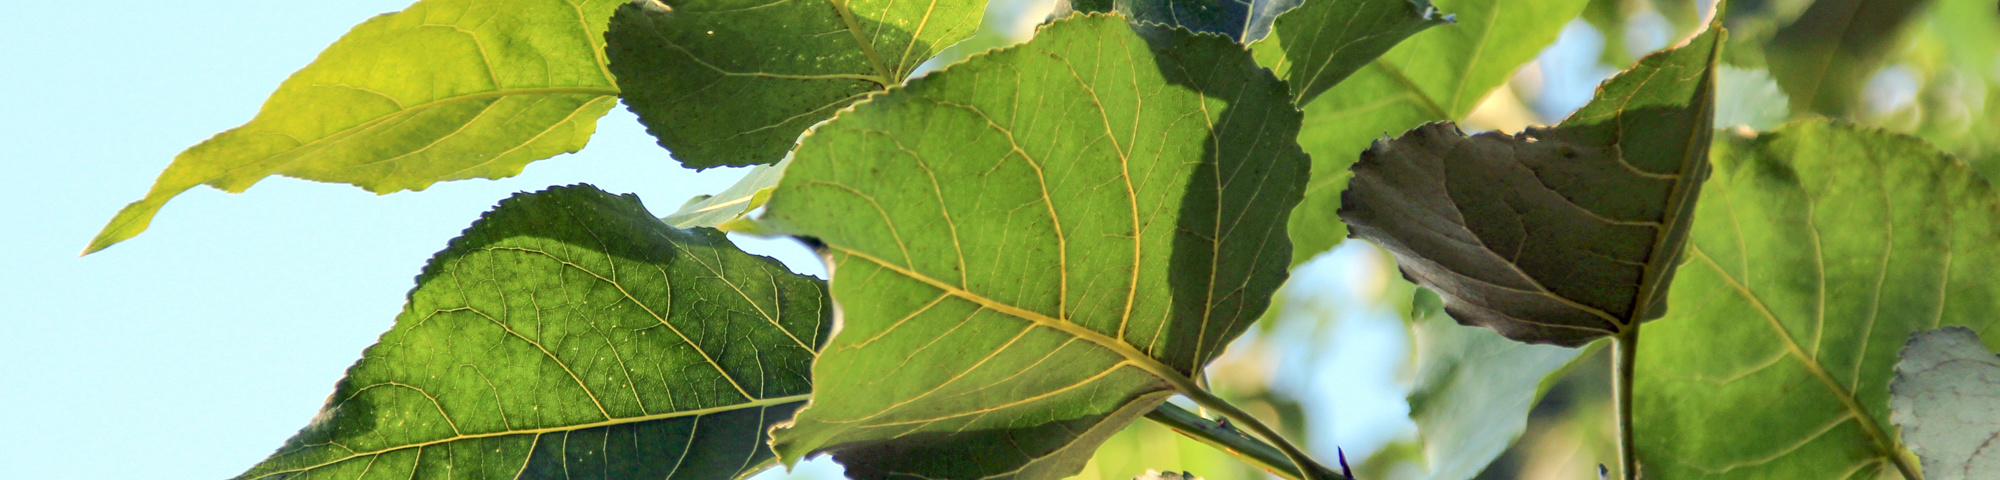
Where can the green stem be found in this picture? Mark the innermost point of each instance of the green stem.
(1250, 450)
(1624, 359)
(1305, 464)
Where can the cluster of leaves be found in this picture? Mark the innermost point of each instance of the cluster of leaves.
(1037, 246)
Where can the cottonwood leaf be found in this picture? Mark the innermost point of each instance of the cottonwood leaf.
(1823, 58)
(445, 90)
(1032, 246)
(733, 82)
(1315, 46)
(721, 209)
(1436, 75)
(1555, 235)
(570, 331)
(1945, 398)
(1817, 250)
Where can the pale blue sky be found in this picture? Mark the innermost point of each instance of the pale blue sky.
(195, 349)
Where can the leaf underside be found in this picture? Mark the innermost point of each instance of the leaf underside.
(1473, 391)
(1437, 75)
(1555, 235)
(733, 82)
(1944, 398)
(570, 331)
(1027, 244)
(731, 204)
(444, 90)
(1817, 250)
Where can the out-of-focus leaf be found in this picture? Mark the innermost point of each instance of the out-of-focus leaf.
(1315, 46)
(445, 90)
(1472, 393)
(1435, 75)
(1037, 245)
(1609, 18)
(1555, 235)
(722, 209)
(1817, 250)
(1748, 98)
(1824, 58)
(1946, 399)
(733, 82)
(570, 331)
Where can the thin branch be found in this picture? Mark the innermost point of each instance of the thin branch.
(1250, 450)
(1305, 464)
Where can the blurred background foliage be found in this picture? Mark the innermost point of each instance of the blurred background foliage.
(1354, 359)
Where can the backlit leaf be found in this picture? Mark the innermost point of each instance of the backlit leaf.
(1031, 247)
(721, 209)
(1817, 250)
(570, 331)
(1473, 390)
(1944, 397)
(445, 90)
(1436, 75)
(1555, 235)
(1823, 58)
(733, 82)
(1315, 46)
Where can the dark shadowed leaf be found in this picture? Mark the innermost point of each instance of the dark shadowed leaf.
(1436, 75)
(445, 90)
(1824, 58)
(1315, 46)
(569, 331)
(733, 82)
(1946, 400)
(1817, 251)
(1035, 246)
(1554, 235)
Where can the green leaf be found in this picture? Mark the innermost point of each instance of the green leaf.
(1035, 246)
(1555, 235)
(1320, 43)
(446, 90)
(1817, 250)
(1823, 58)
(570, 331)
(1473, 391)
(1436, 75)
(1946, 391)
(726, 208)
(733, 82)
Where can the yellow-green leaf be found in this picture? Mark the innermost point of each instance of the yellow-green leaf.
(445, 90)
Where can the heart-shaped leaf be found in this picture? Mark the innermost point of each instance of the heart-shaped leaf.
(570, 331)
(733, 82)
(444, 90)
(1817, 251)
(1035, 246)
(1554, 235)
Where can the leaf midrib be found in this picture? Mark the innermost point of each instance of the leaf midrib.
(1131, 354)
(768, 402)
(1869, 425)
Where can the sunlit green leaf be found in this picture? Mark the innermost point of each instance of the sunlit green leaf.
(1315, 46)
(446, 90)
(733, 82)
(1944, 399)
(1555, 235)
(721, 209)
(1033, 247)
(569, 331)
(1817, 250)
(1436, 75)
